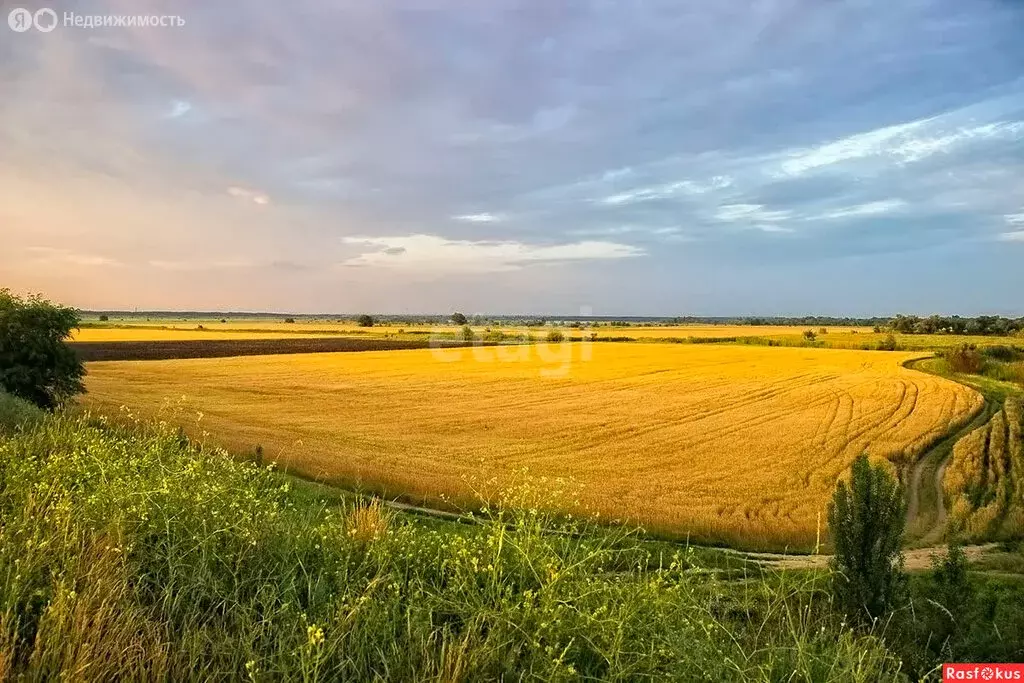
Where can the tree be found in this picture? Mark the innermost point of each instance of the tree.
(467, 333)
(555, 337)
(866, 518)
(364, 321)
(104, 318)
(809, 335)
(35, 363)
(458, 318)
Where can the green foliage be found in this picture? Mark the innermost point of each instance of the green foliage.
(148, 557)
(35, 363)
(458, 318)
(866, 518)
(889, 343)
(16, 412)
(467, 333)
(965, 359)
(810, 335)
(365, 320)
(104, 318)
(555, 337)
(962, 617)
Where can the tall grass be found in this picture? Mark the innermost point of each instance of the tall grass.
(128, 553)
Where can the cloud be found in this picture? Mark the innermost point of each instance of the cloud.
(478, 218)
(251, 195)
(1016, 236)
(902, 143)
(434, 253)
(667, 191)
(178, 109)
(56, 256)
(194, 265)
(750, 213)
(875, 208)
(1015, 218)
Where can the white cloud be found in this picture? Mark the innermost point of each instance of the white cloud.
(251, 195)
(901, 143)
(1016, 236)
(478, 218)
(179, 108)
(53, 256)
(1015, 218)
(434, 253)
(867, 209)
(749, 213)
(668, 191)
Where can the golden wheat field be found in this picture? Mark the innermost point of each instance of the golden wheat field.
(733, 443)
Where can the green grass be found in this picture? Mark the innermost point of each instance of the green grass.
(128, 553)
(16, 413)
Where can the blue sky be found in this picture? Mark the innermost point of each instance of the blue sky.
(631, 157)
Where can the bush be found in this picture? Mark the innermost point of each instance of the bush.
(458, 318)
(810, 335)
(555, 337)
(1004, 354)
(467, 333)
(866, 518)
(289, 320)
(35, 363)
(104, 318)
(965, 359)
(889, 343)
(365, 321)
(16, 412)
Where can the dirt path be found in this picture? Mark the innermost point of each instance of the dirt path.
(926, 505)
(915, 560)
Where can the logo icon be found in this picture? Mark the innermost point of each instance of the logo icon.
(20, 19)
(46, 19)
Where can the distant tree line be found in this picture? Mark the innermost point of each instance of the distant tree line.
(936, 324)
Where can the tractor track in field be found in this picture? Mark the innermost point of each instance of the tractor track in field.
(926, 527)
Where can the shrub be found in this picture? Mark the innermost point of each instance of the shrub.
(866, 518)
(1005, 354)
(889, 343)
(35, 363)
(965, 359)
(104, 318)
(809, 335)
(467, 333)
(555, 337)
(458, 318)
(289, 320)
(16, 412)
(365, 320)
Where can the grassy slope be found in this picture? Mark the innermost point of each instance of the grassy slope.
(126, 553)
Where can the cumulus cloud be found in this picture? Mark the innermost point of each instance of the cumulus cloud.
(434, 253)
